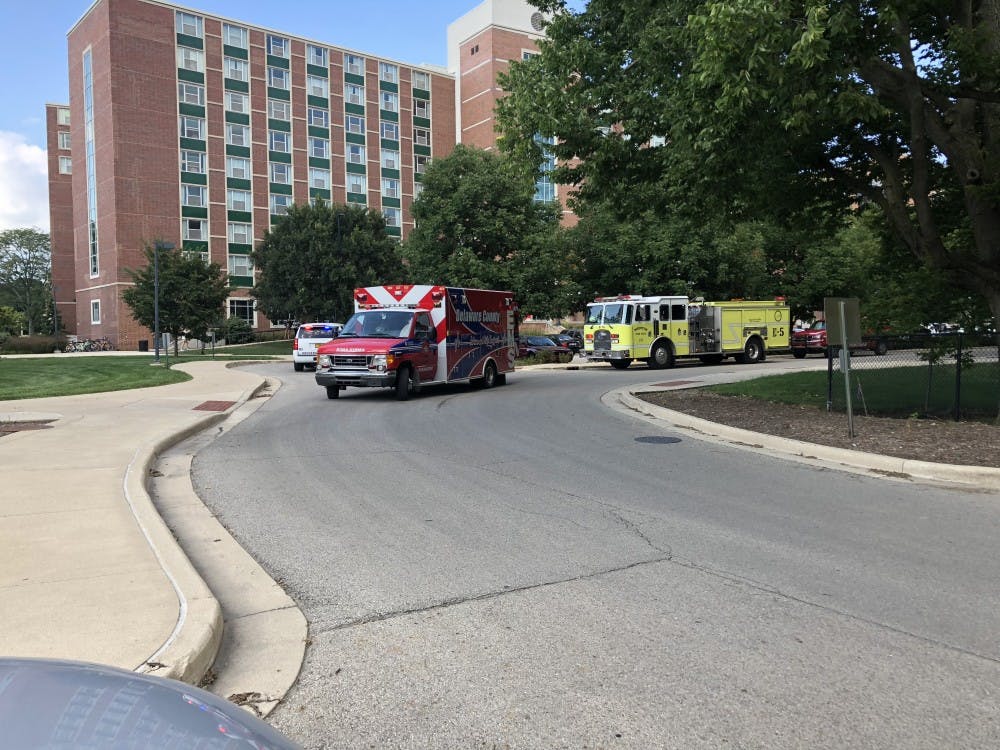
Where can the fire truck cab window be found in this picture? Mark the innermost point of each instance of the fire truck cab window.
(678, 312)
(594, 314)
(641, 313)
(664, 312)
(614, 314)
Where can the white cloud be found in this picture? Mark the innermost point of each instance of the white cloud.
(24, 186)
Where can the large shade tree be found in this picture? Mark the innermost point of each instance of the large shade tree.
(25, 273)
(752, 108)
(313, 258)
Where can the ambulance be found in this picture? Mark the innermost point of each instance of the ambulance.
(405, 336)
(659, 330)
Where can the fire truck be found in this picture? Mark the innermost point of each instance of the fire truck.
(661, 329)
(405, 336)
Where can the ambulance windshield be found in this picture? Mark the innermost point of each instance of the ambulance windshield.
(390, 324)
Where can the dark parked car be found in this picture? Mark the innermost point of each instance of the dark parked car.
(569, 341)
(536, 344)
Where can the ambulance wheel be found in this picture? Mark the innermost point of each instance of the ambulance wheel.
(620, 364)
(404, 384)
(753, 351)
(489, 375)
(333, 391)
(299, 367)
(661, 357)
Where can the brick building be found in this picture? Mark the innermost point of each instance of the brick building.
(193, 129)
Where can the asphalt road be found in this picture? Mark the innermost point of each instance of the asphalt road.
(523, 567)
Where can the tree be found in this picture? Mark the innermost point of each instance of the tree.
(769, 109)
(11, 321)
(478, 225)
(191, 294)
(312, 259)
(25, 273)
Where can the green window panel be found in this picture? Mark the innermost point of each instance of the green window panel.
(231, 84)
(318, 101)
(237, 248)
(194, 212)
(354, 78)
(236, 282)
(421, 122)
(357, 198)
(238, 117)
(319, 132)
(388, 116)
(279, 156)
(317, 161)
(418, 177)
(197, 246)
(319, 193)
(279, 125)
(237, 183)
(422, 150)
(238, 52)
(392, 174)
(277, 62)
(391, 202)
(282, 94)
(394, 231)
(281, 189)
(194, 178)
(193, 144)
(195, 110)
(354, 109)
(317, 70)
(241, 216)
(421, 94)
(386, 86)
(357, 138)
(236, 150)
(393, 145)
(191, 76)
(190, 41)
(355, 168)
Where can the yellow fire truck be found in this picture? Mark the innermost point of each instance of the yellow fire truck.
(661, 329)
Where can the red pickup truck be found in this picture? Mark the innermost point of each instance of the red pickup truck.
(812, 340)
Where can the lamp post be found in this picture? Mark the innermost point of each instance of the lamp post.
(157, 246)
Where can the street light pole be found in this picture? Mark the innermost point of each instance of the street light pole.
(156, 295)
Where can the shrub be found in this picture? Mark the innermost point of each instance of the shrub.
(32, 344)
(235, 331)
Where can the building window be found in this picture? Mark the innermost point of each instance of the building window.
(88, 137)
(191, 59)
(277, 46)
(319, 178)
(238, 70)
(238, 200)
(65, 165)
(545, 191)
(64, 141)
(527, 54)
(319, 147)
(191, 93)
(280, 204)
(474, 50)
(193, 161)
(421, 137)
(355, 124)
(389, 131)
(317, 55)
(420, 163)
(356, 183)
(421, 108)
(194, 195)
(390, 188)
(95, 311)
(236, 102)
(279, 110)
(62, 116)
(354, 64)
(317, 117)
(393, 217)
(388, 72)
(390, 101)
(243, 309)
(317, 86)
(281, 174)
(237, 135)
(421, 80)
(354, 94)
(237, 167)
(418, 188)
(390, 158)
(195, 229)
(240, 233)
(192, 127)
(240, 265)
(280, 141)
(189, 24)
(355, 153)
(234, 36)
(278, 78)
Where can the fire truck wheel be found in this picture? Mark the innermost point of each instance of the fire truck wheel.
(753, 351)
(332, 391)
(489, 375)
(404, 384)
(620, 364)
(661, 357)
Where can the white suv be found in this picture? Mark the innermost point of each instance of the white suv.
(308, 338)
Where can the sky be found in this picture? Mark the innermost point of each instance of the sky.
(413, 31)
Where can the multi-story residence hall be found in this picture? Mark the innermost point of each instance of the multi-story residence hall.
(192, 129)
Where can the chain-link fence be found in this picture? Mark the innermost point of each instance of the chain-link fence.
(947, 376)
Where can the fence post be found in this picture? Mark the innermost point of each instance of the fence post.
(958, 379)
(829, 377)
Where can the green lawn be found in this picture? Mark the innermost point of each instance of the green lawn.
(28, 377)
